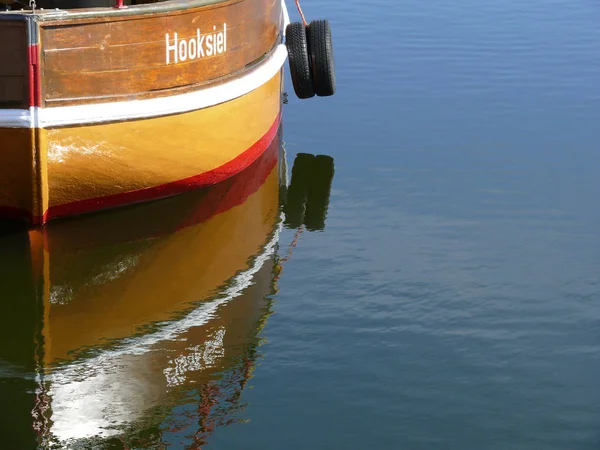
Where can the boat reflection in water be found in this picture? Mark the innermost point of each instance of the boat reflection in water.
(139, 327)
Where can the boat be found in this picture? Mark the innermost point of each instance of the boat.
(104, 105)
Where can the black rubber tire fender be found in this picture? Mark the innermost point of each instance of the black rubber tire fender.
(297, 47)
(320, 51)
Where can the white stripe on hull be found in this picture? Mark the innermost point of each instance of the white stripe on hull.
(16, 118)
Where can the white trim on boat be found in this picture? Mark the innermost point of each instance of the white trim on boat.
(36, 117)
(16, 118)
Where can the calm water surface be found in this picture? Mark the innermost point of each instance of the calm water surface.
(451, 301)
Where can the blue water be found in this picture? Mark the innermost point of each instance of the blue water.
(452, 300)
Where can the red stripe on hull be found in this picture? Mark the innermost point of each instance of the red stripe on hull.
(209, 178)
(35, 86)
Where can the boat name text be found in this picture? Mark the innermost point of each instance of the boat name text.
(199, 46)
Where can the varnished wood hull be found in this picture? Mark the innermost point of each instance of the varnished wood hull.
(117, 107)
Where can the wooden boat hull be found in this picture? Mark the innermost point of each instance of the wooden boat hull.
(105, 108)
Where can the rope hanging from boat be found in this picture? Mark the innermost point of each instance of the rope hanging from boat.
(301, 13)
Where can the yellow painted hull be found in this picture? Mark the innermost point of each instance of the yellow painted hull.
(120, 288)
(48, 173)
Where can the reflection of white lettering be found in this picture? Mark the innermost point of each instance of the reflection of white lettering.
(201, 45)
